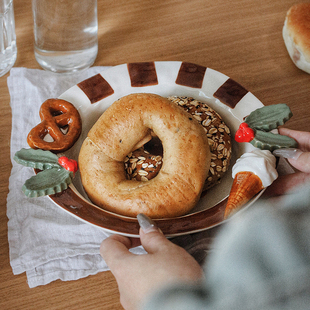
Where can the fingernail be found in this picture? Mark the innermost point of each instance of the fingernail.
(146, 224)
(287, 153)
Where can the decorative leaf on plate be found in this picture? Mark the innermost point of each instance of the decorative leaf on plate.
(37, 159)
(56, 175)
(48, 182)
(269, 117)
(257, 126)
(270, 141)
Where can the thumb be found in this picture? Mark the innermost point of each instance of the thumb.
(115, 248)
(151, 237)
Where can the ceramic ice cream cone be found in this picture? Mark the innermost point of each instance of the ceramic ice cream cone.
(245, 186)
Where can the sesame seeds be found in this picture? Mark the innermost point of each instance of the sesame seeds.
(212, 131)
(206, 122)
(218, 134)
(140, 165)
(143, 172)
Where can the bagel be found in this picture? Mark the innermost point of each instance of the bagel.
(144, 163)
(177, 187)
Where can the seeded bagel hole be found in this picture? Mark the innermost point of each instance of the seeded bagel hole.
(144, 163)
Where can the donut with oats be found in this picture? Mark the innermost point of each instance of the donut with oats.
(177, 187)
(143, 164)
(140, 165)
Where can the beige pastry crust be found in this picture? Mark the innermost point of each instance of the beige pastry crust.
(177, 187)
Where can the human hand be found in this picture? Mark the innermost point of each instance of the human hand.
(298, 158)
(139, 275)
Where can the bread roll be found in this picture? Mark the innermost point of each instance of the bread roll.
(296, 35)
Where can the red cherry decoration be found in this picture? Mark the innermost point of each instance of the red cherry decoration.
(244, 133)
(68, 164)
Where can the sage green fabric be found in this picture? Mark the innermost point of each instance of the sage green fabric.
(261, 260)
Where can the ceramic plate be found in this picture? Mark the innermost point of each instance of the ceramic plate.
(94, 95)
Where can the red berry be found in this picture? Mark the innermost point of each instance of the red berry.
(244, 133)
(68, 164)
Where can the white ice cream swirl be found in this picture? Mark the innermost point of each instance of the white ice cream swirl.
(260, 162)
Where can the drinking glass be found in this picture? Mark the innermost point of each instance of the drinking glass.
(8, 50)
(65, 33)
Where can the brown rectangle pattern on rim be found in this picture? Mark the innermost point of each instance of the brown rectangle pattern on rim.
(230, 93)
(142, 74)
(96, 88)
(191, 75)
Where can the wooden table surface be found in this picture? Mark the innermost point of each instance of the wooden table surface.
(242, 39)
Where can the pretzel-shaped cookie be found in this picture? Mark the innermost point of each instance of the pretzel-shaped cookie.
(56, 114)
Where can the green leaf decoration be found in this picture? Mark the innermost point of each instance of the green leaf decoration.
(51, 180)
(37, 159)
(270, 141)
(270, 117)
(47, 182)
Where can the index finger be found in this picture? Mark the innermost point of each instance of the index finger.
(302, 137)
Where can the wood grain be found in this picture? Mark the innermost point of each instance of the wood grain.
(242, 39)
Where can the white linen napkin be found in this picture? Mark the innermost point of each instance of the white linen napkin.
(45, 241)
